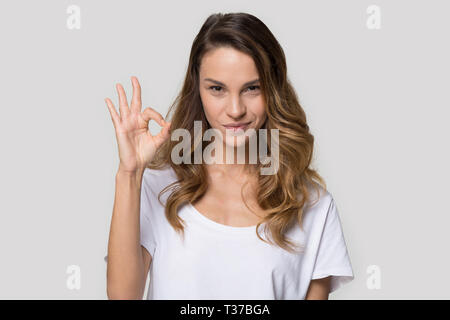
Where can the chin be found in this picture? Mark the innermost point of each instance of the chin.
(236, 141)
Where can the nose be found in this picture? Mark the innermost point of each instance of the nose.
(235, 108)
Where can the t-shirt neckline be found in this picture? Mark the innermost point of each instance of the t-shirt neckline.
(219, 226)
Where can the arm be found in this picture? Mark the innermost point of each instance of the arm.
(319, 289)
(126, 272)
(128, 261)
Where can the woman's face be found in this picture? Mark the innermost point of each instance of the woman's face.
(229, 94)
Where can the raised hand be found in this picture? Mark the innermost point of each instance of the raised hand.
(137, 146)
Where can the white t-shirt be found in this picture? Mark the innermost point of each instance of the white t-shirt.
(217, 261)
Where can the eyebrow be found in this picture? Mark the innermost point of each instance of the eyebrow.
(222, 84)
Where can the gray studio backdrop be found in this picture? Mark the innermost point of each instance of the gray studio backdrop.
(372, 76)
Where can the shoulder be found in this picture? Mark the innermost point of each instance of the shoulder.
(158, 179)
(319, 197)
(320, 205)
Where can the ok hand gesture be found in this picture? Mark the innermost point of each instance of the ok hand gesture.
(137, 146)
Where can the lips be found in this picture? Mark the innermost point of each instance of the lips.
(237, 126)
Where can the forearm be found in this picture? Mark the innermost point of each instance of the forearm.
(125, 269)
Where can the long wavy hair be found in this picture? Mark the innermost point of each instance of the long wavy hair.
(283, 196)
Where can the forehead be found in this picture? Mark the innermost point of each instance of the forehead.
(228, 65)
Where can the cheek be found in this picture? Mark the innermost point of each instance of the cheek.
(211, 107)
(258, 108)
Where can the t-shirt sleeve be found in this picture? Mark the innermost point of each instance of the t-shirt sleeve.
(332, 256)
(147, 230)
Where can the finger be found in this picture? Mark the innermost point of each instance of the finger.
(136, 103)
(123, 104)
(113, 112)
(150, 113)
(162, 135)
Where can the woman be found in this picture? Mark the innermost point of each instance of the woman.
(219, 230)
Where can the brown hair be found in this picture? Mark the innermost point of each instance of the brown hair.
(284, 195)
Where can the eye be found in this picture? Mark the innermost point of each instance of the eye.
(256, 87)
(212, 88)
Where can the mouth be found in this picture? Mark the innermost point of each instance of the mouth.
(238, 126)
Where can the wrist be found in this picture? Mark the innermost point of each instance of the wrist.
(134, 174)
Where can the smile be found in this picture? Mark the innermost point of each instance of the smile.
(235, 128)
